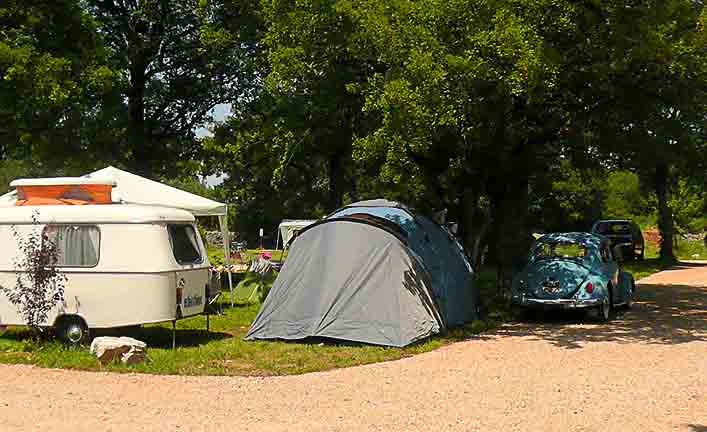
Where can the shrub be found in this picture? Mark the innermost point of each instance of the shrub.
(40, 284)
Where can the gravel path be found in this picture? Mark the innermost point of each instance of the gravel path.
(645, 371)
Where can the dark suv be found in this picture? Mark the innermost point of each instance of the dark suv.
(624, 233)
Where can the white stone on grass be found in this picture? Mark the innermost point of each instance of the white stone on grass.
(109, 349)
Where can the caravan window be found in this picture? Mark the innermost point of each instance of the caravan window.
(77, 245)
(185, 244)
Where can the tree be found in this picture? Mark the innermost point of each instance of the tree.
(11, 169)
(314, 77)
(569, 197)
(269, 174)
(625, 196)
(176, 59)
(472, 103)
(54, 81)
(650, 96)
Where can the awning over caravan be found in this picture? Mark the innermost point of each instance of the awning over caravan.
(9, 199)
(133, 189)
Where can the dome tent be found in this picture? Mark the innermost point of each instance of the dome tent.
(371, 272)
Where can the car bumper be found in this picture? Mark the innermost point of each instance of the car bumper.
(555, 303)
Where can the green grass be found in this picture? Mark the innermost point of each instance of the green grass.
(686, 250)
(641, 269)
(222, 351)
(216, 255)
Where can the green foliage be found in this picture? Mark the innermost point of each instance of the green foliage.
(625, 196)
(54, 77)
(691, 250)
(272, 174)
(39, 283)
(182, 58)
(496, 110)
(569, 198)
(215, 255)
(10, 170)
(650, 105)
(254, 287)
(688, 205)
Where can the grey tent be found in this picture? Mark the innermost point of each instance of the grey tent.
(371, 272)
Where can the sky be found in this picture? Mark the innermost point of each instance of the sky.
(219, 112)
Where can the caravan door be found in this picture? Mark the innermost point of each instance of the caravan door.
(193, 276)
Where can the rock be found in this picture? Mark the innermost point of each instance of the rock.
(108, 349)
(135, 355)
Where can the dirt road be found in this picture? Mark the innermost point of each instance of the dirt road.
(645, 371)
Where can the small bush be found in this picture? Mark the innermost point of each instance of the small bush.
(39, 285)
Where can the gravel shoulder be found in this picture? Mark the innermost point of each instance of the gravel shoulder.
(645, 371)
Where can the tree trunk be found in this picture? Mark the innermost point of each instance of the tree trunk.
(337, 180)
(142, 155)
(474, 225)
(665, 214)
(509, 198)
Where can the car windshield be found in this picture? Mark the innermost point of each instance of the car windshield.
(560, 250)
(614, 228)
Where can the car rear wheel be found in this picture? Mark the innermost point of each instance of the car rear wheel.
(629, 301)
(517, 313)
(605, 309)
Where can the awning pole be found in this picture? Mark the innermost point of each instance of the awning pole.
(226, 234)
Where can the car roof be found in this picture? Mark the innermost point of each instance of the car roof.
(583, 238)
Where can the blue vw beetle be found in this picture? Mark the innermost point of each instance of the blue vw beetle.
(573, 270)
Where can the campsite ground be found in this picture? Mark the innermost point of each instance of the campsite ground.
(644, 371)
(222, 351)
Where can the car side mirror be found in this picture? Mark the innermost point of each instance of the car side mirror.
(618, 254)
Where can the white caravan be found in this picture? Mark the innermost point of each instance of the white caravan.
(125, 264)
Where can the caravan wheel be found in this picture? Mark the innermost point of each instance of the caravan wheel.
(72, 330)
